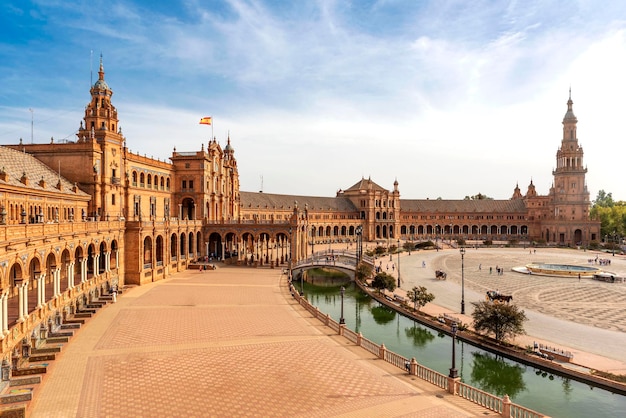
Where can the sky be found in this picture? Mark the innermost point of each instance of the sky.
(449, 98)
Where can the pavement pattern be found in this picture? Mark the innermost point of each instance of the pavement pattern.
(224, 343)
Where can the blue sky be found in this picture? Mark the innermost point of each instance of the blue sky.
(451, 98)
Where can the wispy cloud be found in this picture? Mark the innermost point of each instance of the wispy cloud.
(440, 95)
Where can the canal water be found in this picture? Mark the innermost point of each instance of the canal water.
(528, 386)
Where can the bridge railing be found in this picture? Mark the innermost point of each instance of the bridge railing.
(502, 406)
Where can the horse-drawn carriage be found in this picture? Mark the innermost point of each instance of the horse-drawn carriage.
(440, 275)
(495, 297)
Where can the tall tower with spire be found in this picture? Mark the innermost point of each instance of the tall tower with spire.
(569, 197)
(102, 133)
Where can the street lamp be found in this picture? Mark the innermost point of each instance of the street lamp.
(462, 251)
(436, 245)
(453, 371)
(342, 320)
(359, 244)
(398, 262)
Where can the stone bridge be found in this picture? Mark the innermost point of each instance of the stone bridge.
(344, 261)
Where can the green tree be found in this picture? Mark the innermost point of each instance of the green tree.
(383, 281)
(363, 272)
(604, 199)
(420, 296)
(501, 319)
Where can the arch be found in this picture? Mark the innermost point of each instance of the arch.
(159, 250)
(142, 180)
(114, 251)
(191, 246)
(149, 181)
(514, 230)
(493, 230)
(174, 247)
(188, 208)
(183, 246)
(578, 237)
(198, 243)
(66, 259)
(147, 252)
(102, 259)
(15, 274)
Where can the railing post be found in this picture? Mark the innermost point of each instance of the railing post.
(381, 351)
(342, 328)
(327, 320)
(359, 339)
(413, 367)
(452, 384)
(506, 406)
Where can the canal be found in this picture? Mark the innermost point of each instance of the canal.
(529, 386)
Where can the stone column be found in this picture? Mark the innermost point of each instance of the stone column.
(83, 270)
(5, 313)
(96, 271)
(57, 282)
(41, 290)
(223, 249)
(70, 275)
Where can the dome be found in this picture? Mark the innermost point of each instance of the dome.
(101, 84)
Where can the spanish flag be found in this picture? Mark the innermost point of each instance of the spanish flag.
(207, 120)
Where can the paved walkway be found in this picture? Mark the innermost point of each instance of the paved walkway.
(230, 342)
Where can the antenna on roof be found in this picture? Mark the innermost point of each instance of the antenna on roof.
(261, 191)
(91, 69)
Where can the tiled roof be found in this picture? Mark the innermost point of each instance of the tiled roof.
(280, 201)
(364, 184)
(16, 163)
(476, 206)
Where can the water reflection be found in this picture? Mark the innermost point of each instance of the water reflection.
(535, 389)
(493, 374)
(419, 335)
(382, 314)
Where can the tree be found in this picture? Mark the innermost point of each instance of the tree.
(363, 272)
(501, 319)
(478, 196)
(604, 199)
(420, 296)
(383, 280)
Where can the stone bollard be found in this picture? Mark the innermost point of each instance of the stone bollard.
(381, 351)
(506, 406)
(413, 367)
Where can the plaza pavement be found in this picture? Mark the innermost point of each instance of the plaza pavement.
(586, 317)
(226, 343)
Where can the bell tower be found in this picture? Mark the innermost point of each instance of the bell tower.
(102, 134)
(101, 121)
(570, 194)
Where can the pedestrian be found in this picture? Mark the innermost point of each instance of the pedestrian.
(578, 276)
(480, 267)
(423, 264)
(490, 269)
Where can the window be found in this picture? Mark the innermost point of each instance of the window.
(113, 199)
(184, 184)
(191, 184)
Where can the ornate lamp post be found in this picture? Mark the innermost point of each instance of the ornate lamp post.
(462, 251)
(342, 320)
(453, 371)
(359, 244)
(398, 262)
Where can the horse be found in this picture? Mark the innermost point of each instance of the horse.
(440, 275)
(494, 296)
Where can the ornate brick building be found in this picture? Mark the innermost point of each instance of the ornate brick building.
(81, 216)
